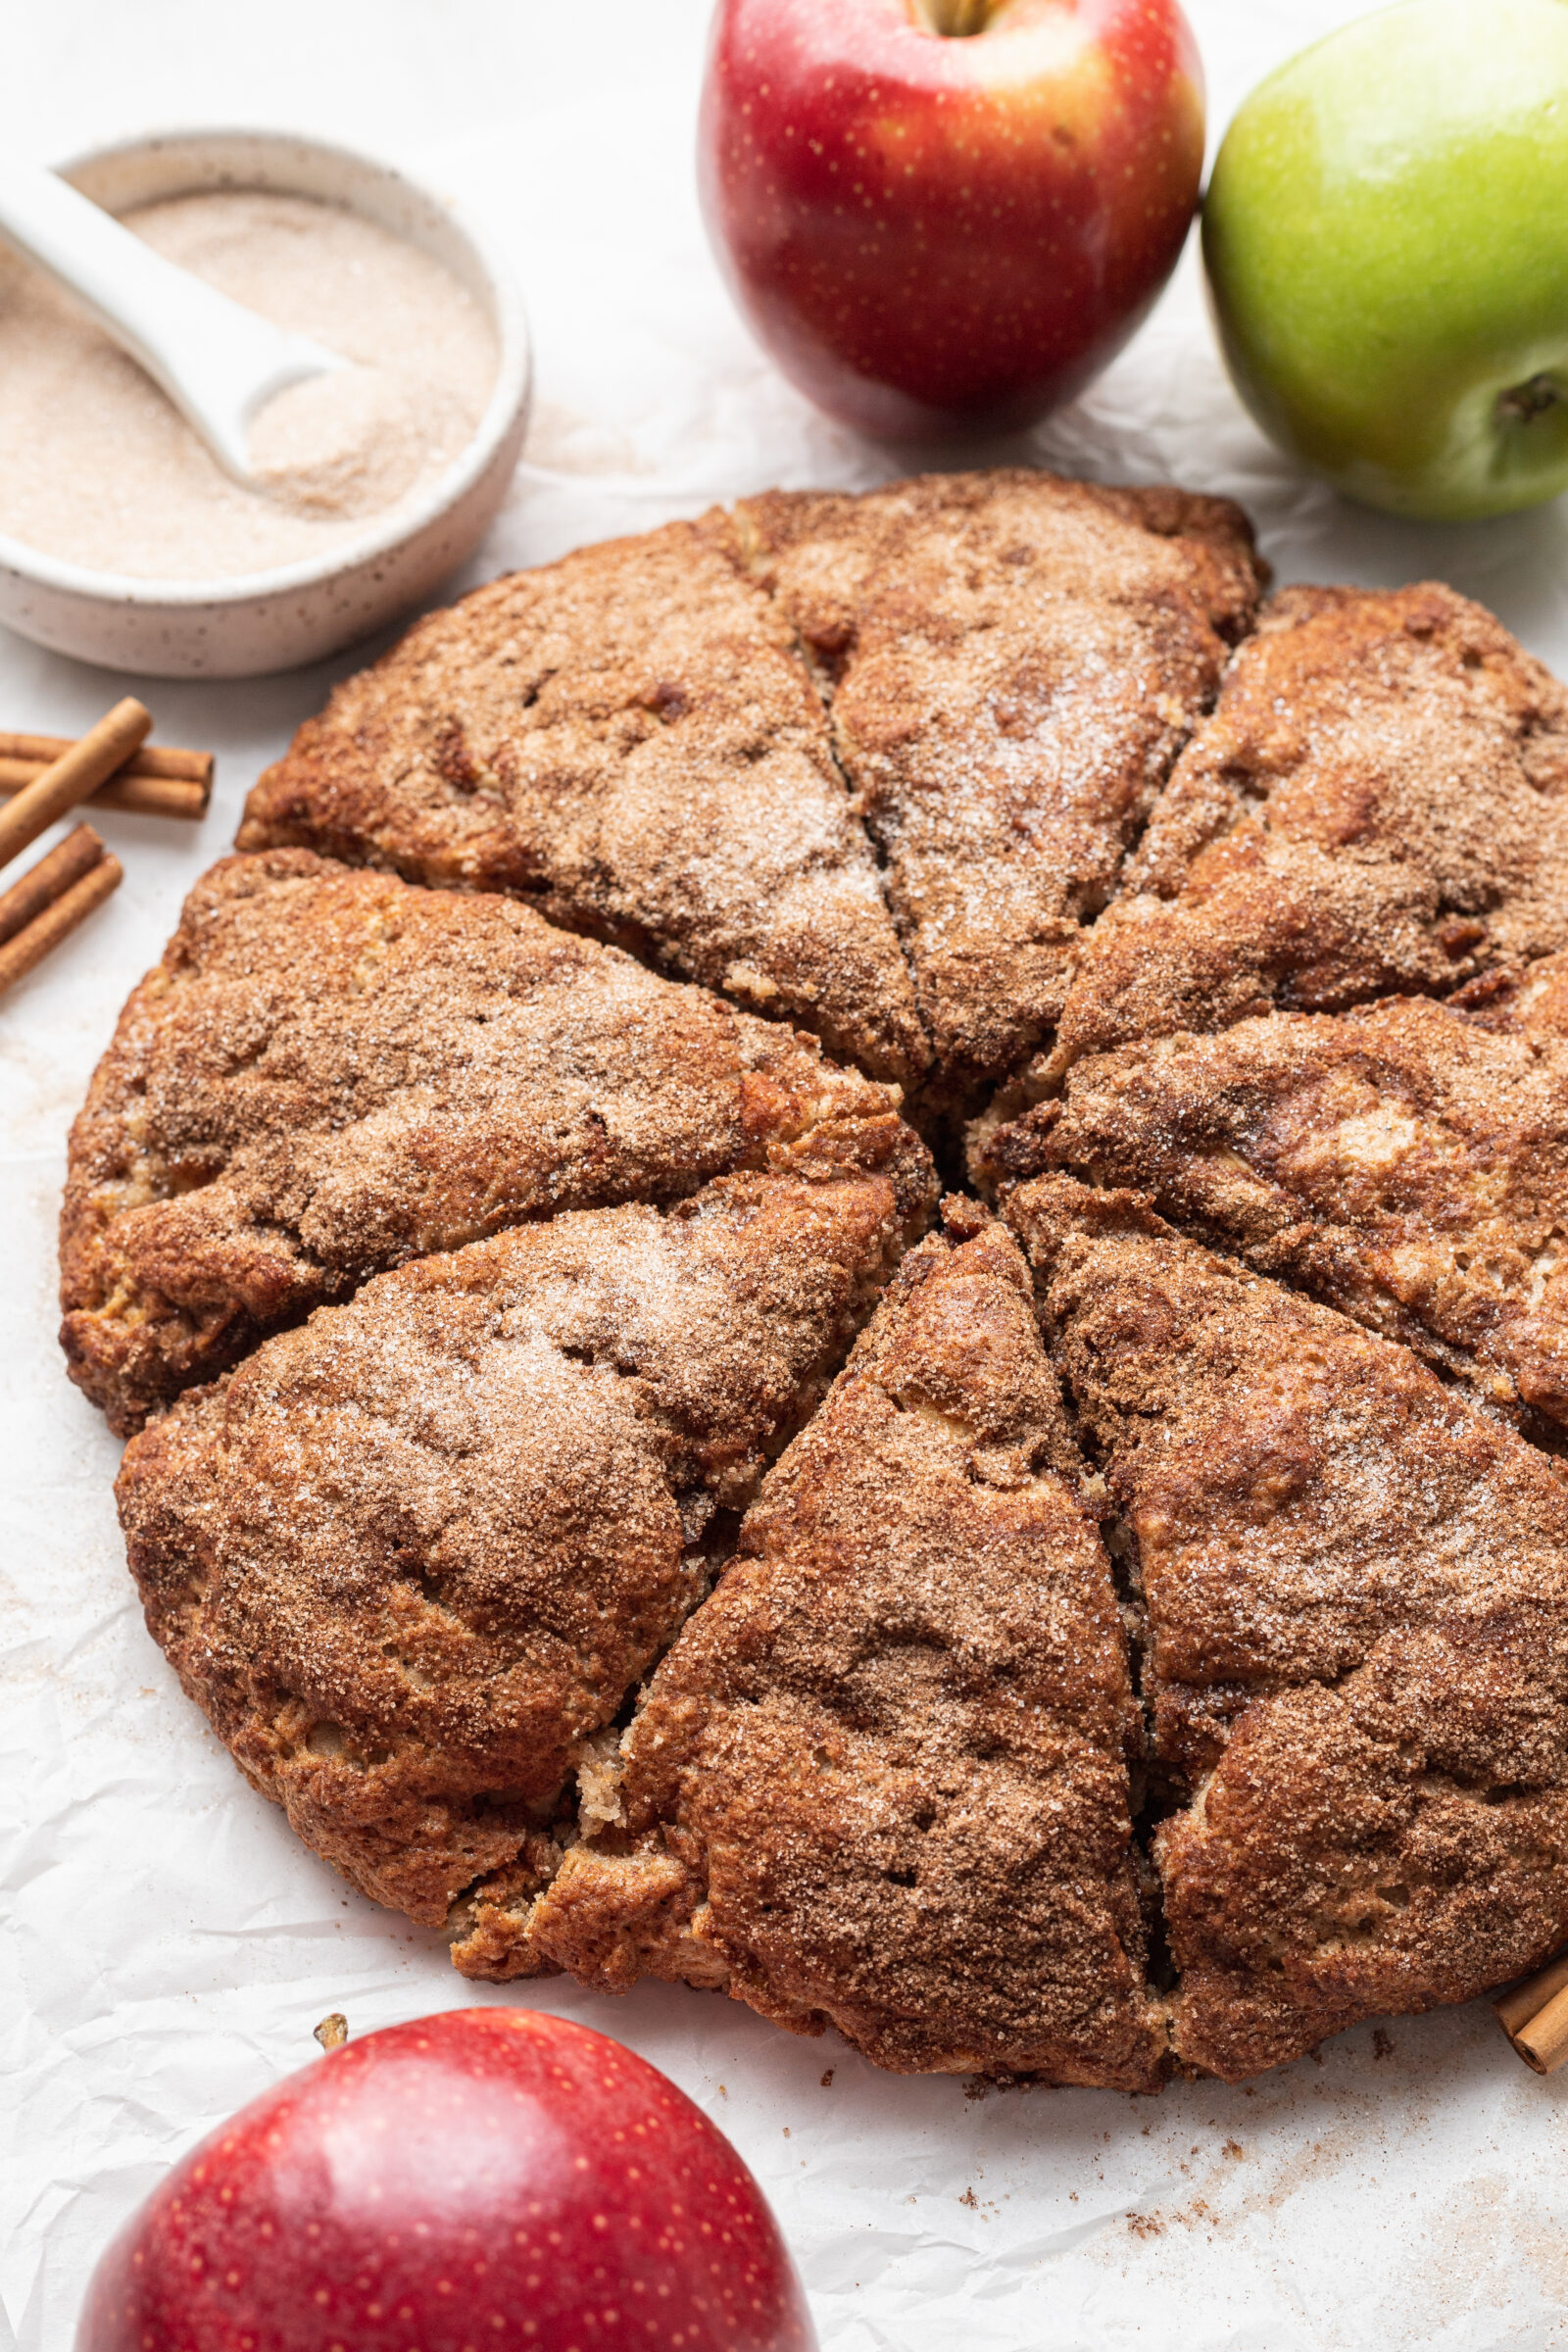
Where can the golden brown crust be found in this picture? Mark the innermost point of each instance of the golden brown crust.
(1394, 1843)
(1409, 1162)
(1525, 1000)
(332, 1071)
(1015, 661)
(1379, 803)
(881, 1781)
(408, 1558)
(1356, 1589)
(627, 740)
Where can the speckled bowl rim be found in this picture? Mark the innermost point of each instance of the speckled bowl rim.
(510, 393)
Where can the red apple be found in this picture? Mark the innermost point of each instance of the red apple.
(484, 2181)
(941, 212)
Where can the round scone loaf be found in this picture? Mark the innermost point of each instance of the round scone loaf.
(1122, 1626)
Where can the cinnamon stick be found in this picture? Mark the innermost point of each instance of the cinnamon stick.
(159, 780)
(32, 944)
(143, 796)
(153, 759)
(48, 880)
(1535, 2017)
(68, 779)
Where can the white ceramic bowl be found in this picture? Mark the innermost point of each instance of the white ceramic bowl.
(266, 621)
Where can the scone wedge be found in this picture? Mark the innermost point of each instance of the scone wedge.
(1355, 1656)
(1409, 1162)
(409, 1557)
(885, 1779)
(1015, 662)
(331, 1072)
(1378, 805)
(629, 741)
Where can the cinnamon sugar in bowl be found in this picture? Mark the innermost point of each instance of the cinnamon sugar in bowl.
(262, 591)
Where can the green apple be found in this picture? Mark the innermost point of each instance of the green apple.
(1386, 237)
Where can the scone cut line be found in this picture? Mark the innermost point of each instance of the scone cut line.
(1116, 1624)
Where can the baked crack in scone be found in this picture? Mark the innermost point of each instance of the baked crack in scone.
(332, 1071)
(627, 740)
(882, 1780)
(409, 1558)
(1015, 661)
(1409, 1162)
(1378, 805)
(1357, 1660)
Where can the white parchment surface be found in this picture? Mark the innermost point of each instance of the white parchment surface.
(168, 1945)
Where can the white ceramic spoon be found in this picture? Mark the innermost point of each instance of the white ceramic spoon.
(218, 363)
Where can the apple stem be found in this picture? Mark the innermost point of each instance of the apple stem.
(955, 19)
(1523, 402)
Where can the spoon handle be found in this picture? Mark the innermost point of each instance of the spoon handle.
(216, 360)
